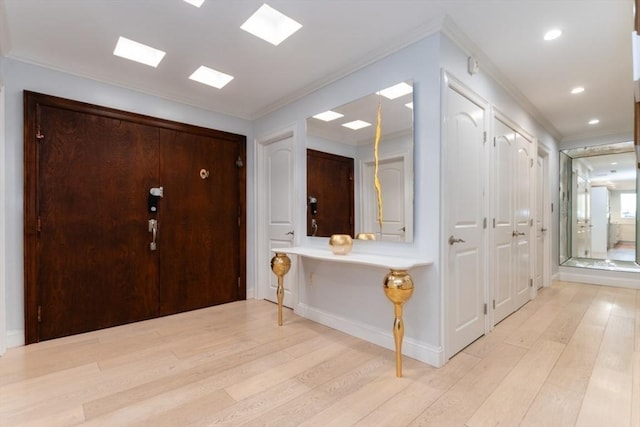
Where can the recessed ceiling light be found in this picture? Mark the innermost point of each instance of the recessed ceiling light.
(409, 105)
(138, 52)
(396, 91)
(594, 121)
(552, 34)
(576, 90)
(356, 124)
(211, 77)
(270, 25)
(614, 163)
(196, 3)
(327, 116)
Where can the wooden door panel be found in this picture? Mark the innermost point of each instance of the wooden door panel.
(88, 171)
(198, 222)
(94, 259)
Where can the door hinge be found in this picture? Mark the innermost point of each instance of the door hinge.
(239, 162)
(531, 222)
(494, 141)
(485, 309)
(39, 225)
(484, 136)
(239, 222)
(531, 160)
(494, 223)
(484, 223)
(531, 283)
(494, 304)
(39, 313)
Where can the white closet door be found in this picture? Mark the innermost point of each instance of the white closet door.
(278, 194)
(464, 185)
(523, 231)
(503, 256)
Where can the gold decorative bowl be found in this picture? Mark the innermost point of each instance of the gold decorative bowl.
(366, 236)
(340, 244)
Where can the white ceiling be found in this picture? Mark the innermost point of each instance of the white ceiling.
(337, 37)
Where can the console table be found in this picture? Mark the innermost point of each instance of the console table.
(397, 284)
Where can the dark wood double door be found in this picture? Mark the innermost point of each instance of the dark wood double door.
(89, 262)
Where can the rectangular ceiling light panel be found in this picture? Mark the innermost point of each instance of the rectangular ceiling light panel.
(270, 25)
(211, 77)
(328, 116)
(196, 3)
(138, 52)
(357, 124)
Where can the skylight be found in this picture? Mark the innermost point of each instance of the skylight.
(328, 116)
(270, 25)
(396, 91)
(356, 124)
(138, 52)
(196, 3)
(211, 77)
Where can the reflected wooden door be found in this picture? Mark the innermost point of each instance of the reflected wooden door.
(330, 182)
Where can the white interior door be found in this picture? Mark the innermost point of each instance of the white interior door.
(391, 175)
(523, 230)
(464, 180)
(502, 257)
(541, 221)
(276, 209)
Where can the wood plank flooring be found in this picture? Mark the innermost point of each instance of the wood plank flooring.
(571, 357)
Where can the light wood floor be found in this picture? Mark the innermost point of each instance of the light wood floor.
(570, 357)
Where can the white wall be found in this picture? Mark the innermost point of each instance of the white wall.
(351, 297)
(18, 76)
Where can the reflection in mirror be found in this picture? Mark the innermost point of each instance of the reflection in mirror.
(598, 206)
(347, 133)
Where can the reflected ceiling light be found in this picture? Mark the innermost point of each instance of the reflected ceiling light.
(552, 34)
(211, 77)
(396, 91)
(196, 3)
(576, 90)
(270, 25)
(356, 124)
(409, 105)
(594, 121)
(138, 52)
(328, 115)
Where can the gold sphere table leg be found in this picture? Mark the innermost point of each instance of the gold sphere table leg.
(398, 287)
(280, 265)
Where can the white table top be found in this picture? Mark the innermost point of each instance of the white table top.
(387, 261)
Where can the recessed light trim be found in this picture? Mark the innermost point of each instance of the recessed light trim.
(196, 3)
(138, 52)
(270, 25)
(328, 116)
(211, 77)
(552, 34)
(576, 90)
(396, 91)
(594, 121)
(356, 124)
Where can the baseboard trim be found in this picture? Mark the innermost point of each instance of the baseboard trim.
(410, 347)
(622, 280)
(251, 293)
(15, 338)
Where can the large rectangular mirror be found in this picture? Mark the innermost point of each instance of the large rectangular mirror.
(598, 210)
(341, 140)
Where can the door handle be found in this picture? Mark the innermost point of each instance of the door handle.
(153, 229)
(543, 229)
(453, 240)
(516, 233)
(290, 233)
